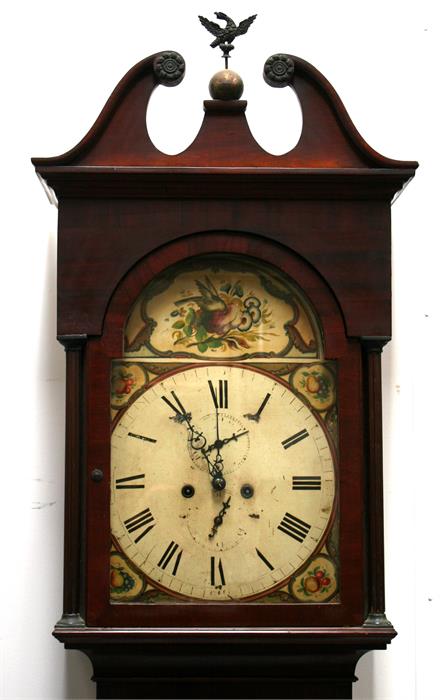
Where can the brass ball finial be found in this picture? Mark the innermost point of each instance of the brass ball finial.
(226, 85)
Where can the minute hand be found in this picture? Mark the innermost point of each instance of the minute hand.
(218, 444)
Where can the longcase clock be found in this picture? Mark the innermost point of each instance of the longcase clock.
(223, 313)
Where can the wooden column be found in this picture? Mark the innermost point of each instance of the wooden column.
(73, 504)
(372, 348)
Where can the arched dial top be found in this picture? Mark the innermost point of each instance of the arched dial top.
(223, 483)
(224, 307)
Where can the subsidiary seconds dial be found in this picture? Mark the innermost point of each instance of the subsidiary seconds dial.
(223, 482)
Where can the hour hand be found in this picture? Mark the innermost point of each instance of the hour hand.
(181, 415)
(196, 438)
(256, 416)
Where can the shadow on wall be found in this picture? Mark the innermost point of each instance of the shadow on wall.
(364, 688)
(78, 670)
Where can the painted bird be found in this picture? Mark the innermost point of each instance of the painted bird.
(214, 314)
(208, 300)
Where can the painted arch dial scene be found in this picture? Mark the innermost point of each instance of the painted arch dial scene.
(224, 441)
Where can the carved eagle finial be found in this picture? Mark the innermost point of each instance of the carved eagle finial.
(224, 36)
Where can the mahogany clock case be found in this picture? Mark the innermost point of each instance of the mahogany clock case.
(99, 356)
(321, 215)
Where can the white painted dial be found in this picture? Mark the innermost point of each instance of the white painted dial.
(268, 448)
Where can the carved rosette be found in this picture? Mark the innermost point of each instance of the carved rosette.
(169, 68)
(278, 70)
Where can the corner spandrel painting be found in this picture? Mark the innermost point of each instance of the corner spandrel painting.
(222, 307)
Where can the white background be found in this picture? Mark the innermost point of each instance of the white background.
(60, 61)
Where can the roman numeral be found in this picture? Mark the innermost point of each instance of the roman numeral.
(306, 483)
(220, 395)
(294, 439)
(141, 437)
(138, 521)
(123, 482)
(168, 556)
(179, 410)
(294, 527)
(214, 570)
(263, 559)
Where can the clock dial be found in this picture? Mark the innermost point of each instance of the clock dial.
(223, 482)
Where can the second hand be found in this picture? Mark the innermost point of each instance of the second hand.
(218, 520)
